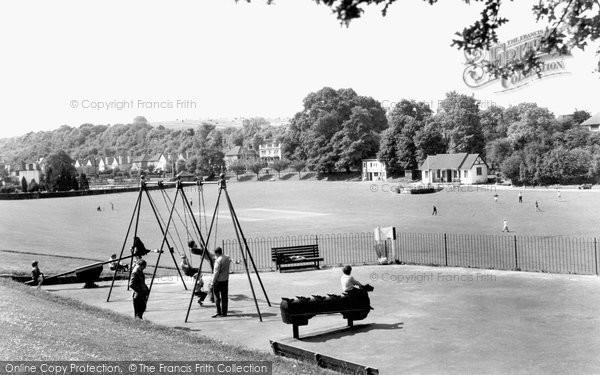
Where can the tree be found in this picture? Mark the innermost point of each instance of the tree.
(397, 146)
(429, 141)
(459, 118)
(511, 167)
(140, 120)
(255, 166)
(83, 182)
(180, 165)
(191, 164)
(279, 165)
(580, 116)
(528, 122)
(60, 172)
(238, 167)
(497, 151)
(571, 25)
(298, 166)
(23, 185)
(493, 123)
(335, 129)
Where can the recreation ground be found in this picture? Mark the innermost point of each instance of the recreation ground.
(425, 319)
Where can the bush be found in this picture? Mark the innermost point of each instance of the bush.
(7, 189)
(33, 186)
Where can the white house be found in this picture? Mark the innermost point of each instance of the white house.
(31, 171)
(124, 162)
(444, 168)
(269, 151)
(102, 165)
(593, 123)
(373, 170)
(159, 162)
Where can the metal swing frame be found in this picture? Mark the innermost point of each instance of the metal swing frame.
(241, 239)
(144, 187)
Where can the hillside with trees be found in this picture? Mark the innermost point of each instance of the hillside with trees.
(135, 139)
(336, 129)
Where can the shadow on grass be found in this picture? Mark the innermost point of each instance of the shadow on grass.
(350, 331)
(246, 177)
(266, 177)
(308, 175)
(286, 176)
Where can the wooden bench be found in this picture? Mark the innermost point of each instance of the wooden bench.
(296, 257)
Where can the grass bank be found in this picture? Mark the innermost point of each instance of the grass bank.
(37, 325)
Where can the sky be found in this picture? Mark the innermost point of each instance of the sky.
(105, 62)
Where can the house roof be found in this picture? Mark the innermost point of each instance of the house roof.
(235, 151)
(185, 174)
(449, 161)
(594, 120)
(139, 159)
(156, 157)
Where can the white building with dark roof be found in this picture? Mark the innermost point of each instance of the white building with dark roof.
(593, 123)
(446, 168)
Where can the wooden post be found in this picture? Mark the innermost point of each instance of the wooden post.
(516, 257)
(446, 249)
(295, 331)
(596, 255)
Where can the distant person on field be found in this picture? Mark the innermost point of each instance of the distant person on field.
(496, 198)
(37, 277)
(349, 283)
(140, 290)
(116, 265)
(112, 206)
(99, 209)
(520, 197)
(220, 282)
(537, 207)
(505, 226)
(434, 210)
(558, 195)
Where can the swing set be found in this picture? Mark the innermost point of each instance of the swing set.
(172, 237)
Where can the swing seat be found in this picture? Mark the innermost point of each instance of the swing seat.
(196, 251)
(189, 271)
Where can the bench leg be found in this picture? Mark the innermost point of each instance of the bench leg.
(295, 331)
(350, 323)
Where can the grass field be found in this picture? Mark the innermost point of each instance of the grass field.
(73, 226)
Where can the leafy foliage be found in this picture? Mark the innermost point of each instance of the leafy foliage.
(280, 165)
(61, 175)
(336, 129)
(572, 24)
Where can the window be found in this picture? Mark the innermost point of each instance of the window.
(479, 171)
(426, 174)
(455, 174)
(466, 174)
(438, 173)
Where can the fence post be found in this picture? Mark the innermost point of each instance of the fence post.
(516, 257)
(446, 249)
(596, 255)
